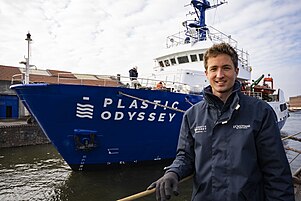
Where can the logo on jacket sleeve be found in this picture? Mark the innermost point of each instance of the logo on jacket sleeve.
(241, 127)
(200, 129)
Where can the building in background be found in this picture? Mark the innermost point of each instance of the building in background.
(9, 102)
(12, 108)
(294, 103)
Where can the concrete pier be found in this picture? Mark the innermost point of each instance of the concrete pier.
(18, 133)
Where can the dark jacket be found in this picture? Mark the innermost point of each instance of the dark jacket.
(133, 74)
(234, 149)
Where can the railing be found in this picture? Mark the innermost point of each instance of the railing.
(212, 34)
(123, 81)
(15, 78)
(67, 78)
(99, 80)
(150, 83)
(253, 94)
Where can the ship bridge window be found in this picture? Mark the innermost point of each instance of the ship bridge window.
(166, 62)
(173, 61)
(183, 59)
(283, 107)
(201, 57)
(193, 58)
(161, 64)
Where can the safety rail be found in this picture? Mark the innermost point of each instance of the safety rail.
(122, 81)
(150, 83)
(139, 83)
(212, 34)
(98, 80)
(14, 78)
(59, 76)
(253, 94)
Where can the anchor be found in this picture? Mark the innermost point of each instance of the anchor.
(85, 140)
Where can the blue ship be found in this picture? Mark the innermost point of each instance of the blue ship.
(134, 122)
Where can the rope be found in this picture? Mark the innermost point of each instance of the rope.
(292, 149)
(290, 136)
(188, 101)
(150, 102)
(297, 176)
(294, 158)
(295, 138)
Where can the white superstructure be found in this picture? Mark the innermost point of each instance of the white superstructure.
(182, 60)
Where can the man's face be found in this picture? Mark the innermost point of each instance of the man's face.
(221, 74)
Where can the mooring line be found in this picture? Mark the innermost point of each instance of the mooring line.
(295, 138)
(294, 158)
(297, 176)
(290, 136)
(188, 101)
(150, 102)
(292, 149)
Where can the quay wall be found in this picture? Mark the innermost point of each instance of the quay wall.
(21, 135)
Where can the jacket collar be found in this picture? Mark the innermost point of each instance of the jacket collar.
(215, 101)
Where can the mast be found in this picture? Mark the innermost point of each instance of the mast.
(200, 7)
(28, 38)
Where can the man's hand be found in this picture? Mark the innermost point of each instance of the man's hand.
(166, 186)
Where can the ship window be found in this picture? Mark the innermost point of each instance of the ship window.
(166, 63)
(161, 64)
(193, 58)
(283, 107)
(201, 57)
(183, 59)
(173, 61)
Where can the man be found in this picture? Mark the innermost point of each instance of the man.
(229, 141)
(133, 73)
(133, 77)
(160, 85)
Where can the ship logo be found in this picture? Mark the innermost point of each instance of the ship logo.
(84, 110)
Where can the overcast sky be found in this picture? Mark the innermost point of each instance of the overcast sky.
(109, 37)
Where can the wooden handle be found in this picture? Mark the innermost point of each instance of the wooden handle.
(138, 195)
(147, 192)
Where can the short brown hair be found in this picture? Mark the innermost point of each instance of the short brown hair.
(221, 48)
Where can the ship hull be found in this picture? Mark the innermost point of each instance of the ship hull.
(92, 126)
(281, 123)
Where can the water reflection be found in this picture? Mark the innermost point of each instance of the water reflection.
(39, 173)
(114, 184)
(32, 173)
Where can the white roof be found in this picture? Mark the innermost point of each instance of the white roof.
(85, 76)
(36, 71)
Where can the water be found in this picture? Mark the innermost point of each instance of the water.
(293, 126)
(39, 173)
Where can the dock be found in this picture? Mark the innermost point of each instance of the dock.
(16, 133)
